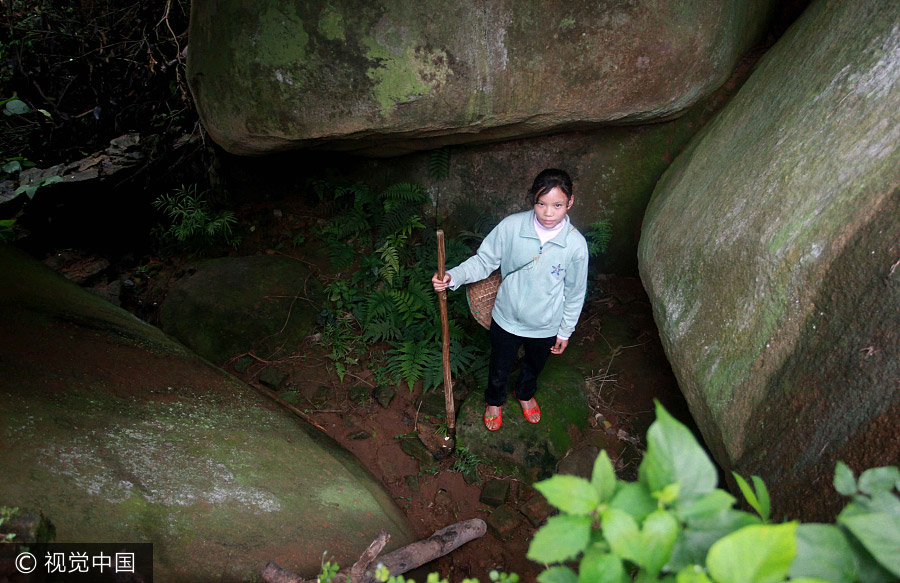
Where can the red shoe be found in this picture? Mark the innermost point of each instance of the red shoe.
(490, 420)
(528, 413)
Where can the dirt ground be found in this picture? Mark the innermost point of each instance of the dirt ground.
(625, 369)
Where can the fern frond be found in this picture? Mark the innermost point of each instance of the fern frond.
(407, 360)
(598, 236)
(407, 192)
(439, 164)
(413, 303)
(380, 330)
(377, 304)
(340, 254)
(401, 220)
(320, 187)
(425, 298)
(391, 258)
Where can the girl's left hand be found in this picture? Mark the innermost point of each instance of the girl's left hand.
(559, 347)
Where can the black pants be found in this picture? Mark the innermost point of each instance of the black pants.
(504, 350)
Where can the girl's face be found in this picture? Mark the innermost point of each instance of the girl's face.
(551, 207)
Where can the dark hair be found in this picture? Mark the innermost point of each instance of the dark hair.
(546, 181)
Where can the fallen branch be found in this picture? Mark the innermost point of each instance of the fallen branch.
(397, 562)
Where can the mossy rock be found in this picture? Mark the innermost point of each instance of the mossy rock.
(388, 77)
(769, 252)
(228, 306)
(118, 433)
(530, 451)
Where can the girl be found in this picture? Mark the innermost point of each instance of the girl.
(543, 260)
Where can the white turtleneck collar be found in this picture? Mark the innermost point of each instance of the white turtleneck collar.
(545, 234)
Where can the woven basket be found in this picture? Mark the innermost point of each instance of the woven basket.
(481, 296)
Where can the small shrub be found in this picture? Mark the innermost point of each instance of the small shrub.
(379, 237)
(673, 524)
(193, 224)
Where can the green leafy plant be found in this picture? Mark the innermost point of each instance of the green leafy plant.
(466, 462)
(13, 165)
(380, 238)
(31, 189)
(383, 575)
(193, 224)
(598, 235)
(7, 233)
(6, 513)
(329, 570)
(439, 164)
(342, 340)
(674, 524)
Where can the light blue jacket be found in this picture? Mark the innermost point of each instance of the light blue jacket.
(542, 299)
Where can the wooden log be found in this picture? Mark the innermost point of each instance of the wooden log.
(404, 559)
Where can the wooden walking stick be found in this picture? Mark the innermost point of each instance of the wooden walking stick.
(445, 345)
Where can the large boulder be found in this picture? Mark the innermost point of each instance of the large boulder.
(117, 433)
(614, 170)
(224, 307)
(389, 76)
(770, 254)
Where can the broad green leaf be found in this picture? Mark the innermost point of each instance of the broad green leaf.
(51, 180)
(28, 189)
(878, 479)
(808, 580)
(46, 113)
(558, 575)
(622, 533)
(561, 539)
(658, 535)
(693, 574)
(707, 506)
(885, 502)
(16, 107)
(674, 455)
(823, 553)
(700, 534)
(12, 167)
(879, 502)
(754, 554)
(633, 498)
(879, 533)
(570, 494)
(600, 567)
(844, 482)
(870, 571)
(603, 477)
